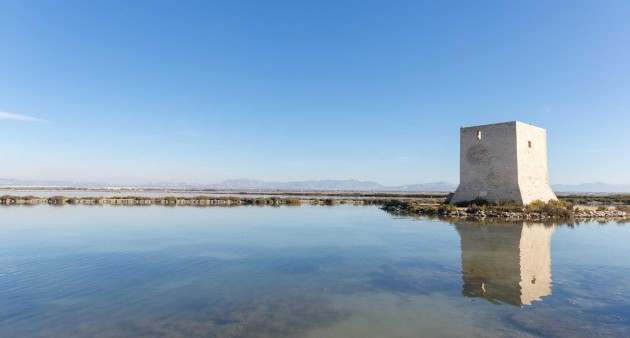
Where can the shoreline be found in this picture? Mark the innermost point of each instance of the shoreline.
(395, 206)
(608, 215)
(201, 201)
(558, 210)
(221, 193)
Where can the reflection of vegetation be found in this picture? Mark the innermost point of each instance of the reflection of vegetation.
(199, 201)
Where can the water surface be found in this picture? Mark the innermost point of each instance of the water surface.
(309, 271)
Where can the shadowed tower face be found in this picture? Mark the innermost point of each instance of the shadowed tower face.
(506, 263)
(503, 162)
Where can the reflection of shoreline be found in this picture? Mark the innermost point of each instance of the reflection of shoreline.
(509, 263)
(570, 223)
(198, 201)
(433, 211)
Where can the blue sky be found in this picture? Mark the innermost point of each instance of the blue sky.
(186, 91)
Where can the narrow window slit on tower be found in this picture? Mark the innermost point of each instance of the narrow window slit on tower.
(529, 144)
(479, 134)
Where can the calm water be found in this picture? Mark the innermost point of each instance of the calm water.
(310, 271)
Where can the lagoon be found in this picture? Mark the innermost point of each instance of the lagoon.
(308, 271)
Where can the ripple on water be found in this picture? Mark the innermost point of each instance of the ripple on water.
(416, 278)
(272, 315)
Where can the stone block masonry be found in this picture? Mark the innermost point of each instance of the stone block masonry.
(503, 162)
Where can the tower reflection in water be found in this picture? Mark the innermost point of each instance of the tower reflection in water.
(508, 263)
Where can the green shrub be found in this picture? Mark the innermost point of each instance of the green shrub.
(477, 201)
(330, 201)
(57, 200)
(292, 201)
(473, 208)
(445, 208)
(510, 206)
(535, 206)
(394, 203)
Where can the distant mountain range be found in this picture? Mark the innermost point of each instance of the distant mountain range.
(331, 185)
(241, 184)
(12, 183)
(244, 184)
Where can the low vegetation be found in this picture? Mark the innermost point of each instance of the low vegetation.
(590, 199)
(554, 209)
(195, 201)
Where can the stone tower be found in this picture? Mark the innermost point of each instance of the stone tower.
(503, 162)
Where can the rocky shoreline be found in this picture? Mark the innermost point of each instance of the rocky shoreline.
(440, 210)
(612, 214)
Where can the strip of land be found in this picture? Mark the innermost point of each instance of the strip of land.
(614, 206)
(537, 210)
(189, 201)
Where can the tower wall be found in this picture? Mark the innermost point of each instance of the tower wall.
(503, 162)
(488, 165)
(533, 178)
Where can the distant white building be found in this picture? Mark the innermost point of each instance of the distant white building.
(503, 162)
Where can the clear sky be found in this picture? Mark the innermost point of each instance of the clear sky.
(186, 91)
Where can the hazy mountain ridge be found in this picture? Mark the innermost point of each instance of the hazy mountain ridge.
(313, 185)
(242, 184)
(299, 185)
(10, 183)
